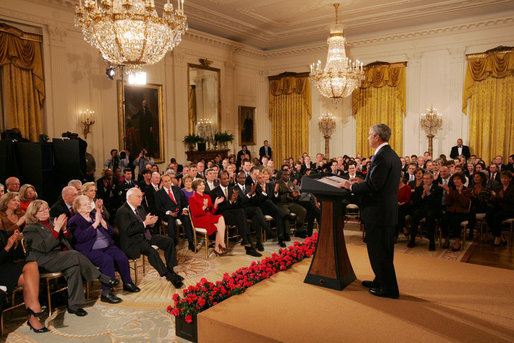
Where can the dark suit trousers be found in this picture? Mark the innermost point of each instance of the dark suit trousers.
(106, 258)
(380, 242)
(270, 208)
(172, 227)
(258, 221)
(74, 266)
(430, 216)
(237, 217)
(313, 212)
(167, 244)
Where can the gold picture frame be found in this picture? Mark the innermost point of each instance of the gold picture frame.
(136, 130)
(246, 117)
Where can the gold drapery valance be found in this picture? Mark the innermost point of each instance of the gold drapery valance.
(489, 90)
(497, 63)
(23, 80)
(289, 112)
(380, 99)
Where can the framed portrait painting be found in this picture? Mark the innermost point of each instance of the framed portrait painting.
(247, 125)
(141, 128)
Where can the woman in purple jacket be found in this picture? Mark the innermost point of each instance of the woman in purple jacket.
(93, 238)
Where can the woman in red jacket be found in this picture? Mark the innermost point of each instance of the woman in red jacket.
(404, 194)
(202, 212)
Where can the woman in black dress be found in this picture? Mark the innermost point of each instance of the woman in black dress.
(26, 275)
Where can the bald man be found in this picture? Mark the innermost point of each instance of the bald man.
(64, 205)
(12, 184)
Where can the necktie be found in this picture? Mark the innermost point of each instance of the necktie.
(225, 192)
(72, 213)
(171, 196)
(243, 189)
(148, 235)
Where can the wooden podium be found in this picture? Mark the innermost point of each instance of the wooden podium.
(330, 266)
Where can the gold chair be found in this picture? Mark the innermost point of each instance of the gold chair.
(510, 223)
(47, 278)
(12, 306)
(201, 232)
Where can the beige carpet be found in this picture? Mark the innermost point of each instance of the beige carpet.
(141, 317)
(440, 301)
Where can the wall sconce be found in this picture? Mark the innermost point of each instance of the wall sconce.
(327, 126)
(431, 121)
(86, 119)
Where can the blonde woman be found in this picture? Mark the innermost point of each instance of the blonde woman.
(11, 217)
(27, 195)
(47, 243)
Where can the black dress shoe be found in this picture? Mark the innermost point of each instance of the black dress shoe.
(379, 292)
(175, 280)
(411, 244)
(370, 284)
(260, 247)
(110, 282)
(172, 273)
(446, 245)
(78, 311)
(282, 244)
(300, 234)
(110, 298)
(130, 287)
(251, 251)
(191, 246)
(431, 246)
(287, 238)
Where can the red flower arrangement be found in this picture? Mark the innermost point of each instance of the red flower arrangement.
(205, 294)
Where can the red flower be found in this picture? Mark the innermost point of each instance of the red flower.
(189, 318)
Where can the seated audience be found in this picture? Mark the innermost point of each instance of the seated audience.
(65, 204)
(11, 217)
(47, 243)
(480, 198)
(187, 182)
(89, 190)
(21, 274)
(12, 184)
(418, 181)
(410, 174)
(457, 210)
(203, 215)
(171, 204)
(404, 195)
(77, 184)
(289, 203)
(426, 202)
(122, 187)
(93, 238)
(28, 194)
(502, 207)
(135, 237)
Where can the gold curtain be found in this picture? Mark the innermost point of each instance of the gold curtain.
(23, 80)
(380, 99)
(489, 87)
(192, 109)
(289, 112)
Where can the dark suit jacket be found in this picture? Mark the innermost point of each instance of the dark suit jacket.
(379, 191)
(496, 177)
(262, 152)
(132, 231)
(163, 202)
(432, 201)
(208, 189)
(225, 205)
(40, 242)
(59, 208)
(465, 151)
(85, 234)
(122, 188)
(148, 198)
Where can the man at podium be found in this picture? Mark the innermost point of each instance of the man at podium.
(379, 210)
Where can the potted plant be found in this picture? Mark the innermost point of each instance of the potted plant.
(190, 141)
(223, 138)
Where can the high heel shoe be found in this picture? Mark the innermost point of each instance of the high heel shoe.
(219, 253)
(38, 314)
(43, 329)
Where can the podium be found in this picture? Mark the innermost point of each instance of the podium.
(330, 266)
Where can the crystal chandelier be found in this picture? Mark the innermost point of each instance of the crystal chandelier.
(129, 32)
(340, 76)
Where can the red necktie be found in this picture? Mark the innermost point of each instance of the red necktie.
(171, 196)
(72, 213)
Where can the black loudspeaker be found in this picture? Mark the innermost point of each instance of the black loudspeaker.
(67, 159)
(35, 167)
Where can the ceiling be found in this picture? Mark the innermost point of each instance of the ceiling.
(271, 24)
